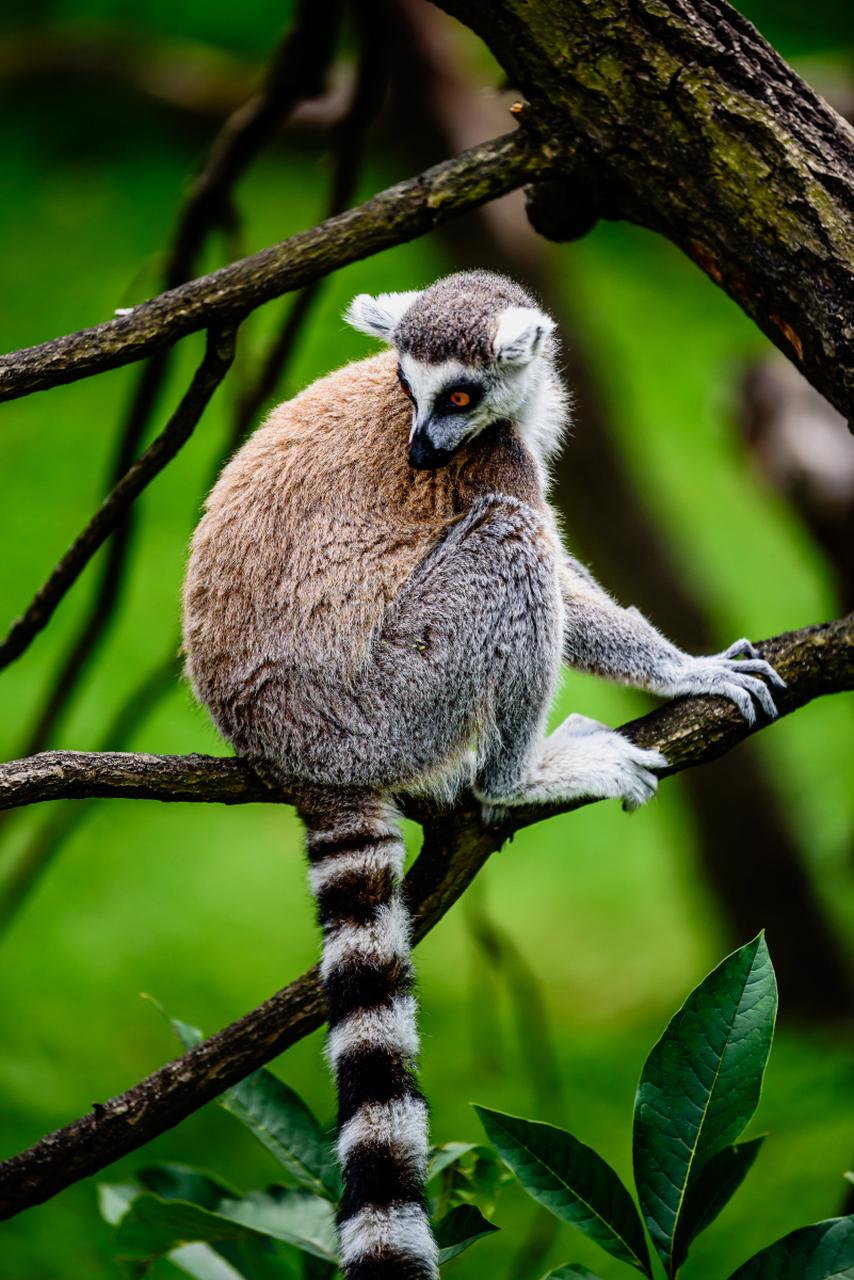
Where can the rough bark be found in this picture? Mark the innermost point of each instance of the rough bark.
(691, 731)
(401, 213)
(693, 125)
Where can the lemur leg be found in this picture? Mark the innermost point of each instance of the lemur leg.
(488, 606)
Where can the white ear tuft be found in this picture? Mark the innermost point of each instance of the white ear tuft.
(520, 334)
(379, 316)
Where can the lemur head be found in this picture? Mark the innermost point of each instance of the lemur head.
(473, 349)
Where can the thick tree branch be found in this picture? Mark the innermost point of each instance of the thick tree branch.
(690, 731)
(401, 213)
(210, 373)
(694, 126)
(814, 661)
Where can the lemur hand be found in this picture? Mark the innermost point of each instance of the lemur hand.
(733, 674)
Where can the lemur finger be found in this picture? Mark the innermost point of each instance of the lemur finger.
(643, 788)
(758, 666)
(759, 690)
(742, 700)
(741, 649)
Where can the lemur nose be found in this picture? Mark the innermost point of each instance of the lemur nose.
(424, 455)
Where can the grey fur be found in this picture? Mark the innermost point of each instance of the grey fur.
(361, 629)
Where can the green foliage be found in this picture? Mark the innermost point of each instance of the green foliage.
(698, 1090)
(459, 1229)
(173, 1207)
(572, 1181)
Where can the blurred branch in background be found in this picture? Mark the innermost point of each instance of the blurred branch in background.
(296, 71)
(803, 448)
(23, 869)
(747, 850)
(457, 843)
(348, 140)
(216, 363)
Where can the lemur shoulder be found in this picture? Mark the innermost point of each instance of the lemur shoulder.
(378, 602)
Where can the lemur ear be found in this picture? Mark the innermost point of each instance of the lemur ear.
(520, 334)
(379, 316)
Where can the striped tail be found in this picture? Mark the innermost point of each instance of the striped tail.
(356, 866)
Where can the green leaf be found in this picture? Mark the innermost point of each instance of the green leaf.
(152, 1227)
(115, 1198)
(279, 1119)
(700, 1086)
(571, 1271)
(445, 1155)
(823, 1251)
(459, 1229)
(183, 1182)
(288, 1213)
(203, 1263)
(572, 1181)
(710, 1191)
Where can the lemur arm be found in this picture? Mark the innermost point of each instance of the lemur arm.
(620, 644)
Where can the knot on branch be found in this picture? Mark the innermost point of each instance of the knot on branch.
(568, 207)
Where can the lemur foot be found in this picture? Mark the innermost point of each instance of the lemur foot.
(583, 759)
(603, 763)
(735, 674)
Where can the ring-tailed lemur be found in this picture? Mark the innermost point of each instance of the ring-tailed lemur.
(378, 602)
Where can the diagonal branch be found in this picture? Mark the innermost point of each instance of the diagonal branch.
(295, 72)
(814, 661)
(689, 123)
(210, 373)
(393, 217)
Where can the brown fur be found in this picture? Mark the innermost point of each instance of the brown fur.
(323, 486)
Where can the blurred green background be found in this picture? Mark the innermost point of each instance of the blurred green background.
(610, 919)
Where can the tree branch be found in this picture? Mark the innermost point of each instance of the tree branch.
(210, 373)
(295, 72)
(691, 124)
(397, 215)
(814, 661)
(690, 731)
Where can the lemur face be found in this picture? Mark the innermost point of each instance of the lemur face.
(471, 352)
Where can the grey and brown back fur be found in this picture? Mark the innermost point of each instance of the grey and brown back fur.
(378, 602)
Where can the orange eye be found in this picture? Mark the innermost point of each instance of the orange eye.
(460, 398)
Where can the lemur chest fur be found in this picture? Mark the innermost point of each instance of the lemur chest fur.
(325, 486)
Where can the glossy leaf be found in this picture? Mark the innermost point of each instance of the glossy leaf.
(279, 1119)
(571, 1271)
(459, 1229)
(823, 1251)
(445, 1155)
(232, 1260)
(152, 1227)
(115, 1198)
(203, 1263)
(288, 1213)
(183, 1182)
(700, 1086)
(572, 1181)
(714, 1186)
